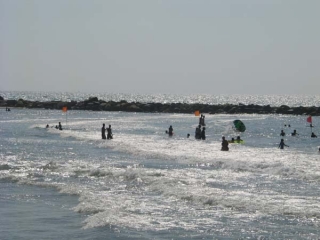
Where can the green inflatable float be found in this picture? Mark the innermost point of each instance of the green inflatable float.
(239, 126)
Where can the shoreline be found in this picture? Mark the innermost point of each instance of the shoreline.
(94, 104)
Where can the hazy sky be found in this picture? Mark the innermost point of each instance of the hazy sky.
(161, 46)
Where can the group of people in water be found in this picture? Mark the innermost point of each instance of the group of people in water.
(59, 126)
(109, 132)
(294, 133)
(200, 133)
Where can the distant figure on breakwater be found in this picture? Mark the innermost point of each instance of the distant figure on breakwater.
(224, 144)
(170, 132)
(109, 135)
(282, 134)
(294, 133)
(282, 144)
(313, 135)
(60, 126)
(103, 131)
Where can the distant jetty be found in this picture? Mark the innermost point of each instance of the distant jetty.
(94, 104)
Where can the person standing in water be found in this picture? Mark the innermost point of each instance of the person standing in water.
(282, 144)
(282, 134)
(170, 131)
(60, 126)
(103, 132)
(224, 144)
(203, 133)
(198, 132)
(294, 133)
(109, 135)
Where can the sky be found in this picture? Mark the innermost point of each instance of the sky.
(160, 46)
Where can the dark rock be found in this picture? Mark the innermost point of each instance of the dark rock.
(11, 103)
(92, 99)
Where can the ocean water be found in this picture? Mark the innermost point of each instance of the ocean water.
(272, 100)
(142, 184)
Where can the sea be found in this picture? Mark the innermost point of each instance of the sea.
(143, 184)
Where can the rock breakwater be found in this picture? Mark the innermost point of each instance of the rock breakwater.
(94, 104)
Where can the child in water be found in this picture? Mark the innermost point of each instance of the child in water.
(282, 144)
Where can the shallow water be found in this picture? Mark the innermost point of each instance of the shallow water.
(143, 184)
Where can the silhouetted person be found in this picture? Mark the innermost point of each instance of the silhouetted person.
(294, 133)
(238, 139)
(198, 132)
(282, 144)
(313, 135)
(201, 120)
(203, 133)
(170, 132)
(109, 135)
(60, 126)
(224, 144)
(47, 126)
(56, 127)
(188, 135)
(231, 141)
(103, 132)
(282, 133)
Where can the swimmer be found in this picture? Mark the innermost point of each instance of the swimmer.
(238, 139)
(282, 144)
